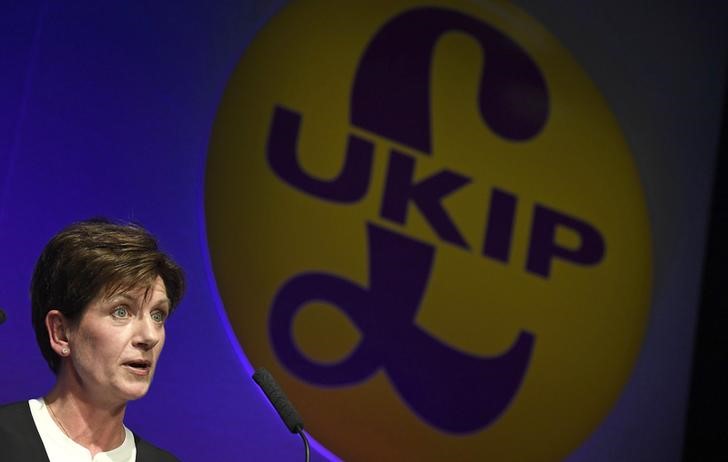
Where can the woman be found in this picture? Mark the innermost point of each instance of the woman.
(100, 295)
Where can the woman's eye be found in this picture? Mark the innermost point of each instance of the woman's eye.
(120, 312)
(159, 316)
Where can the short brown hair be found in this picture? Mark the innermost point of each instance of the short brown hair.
(91, 256)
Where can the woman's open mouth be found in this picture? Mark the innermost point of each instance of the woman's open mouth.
(141, 367)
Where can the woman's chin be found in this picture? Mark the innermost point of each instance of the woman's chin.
(135, 391)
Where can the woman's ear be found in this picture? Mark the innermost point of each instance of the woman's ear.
(57, 326)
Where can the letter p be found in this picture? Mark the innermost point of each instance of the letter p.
(544, 248)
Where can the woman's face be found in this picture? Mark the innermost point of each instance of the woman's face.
(115, 346)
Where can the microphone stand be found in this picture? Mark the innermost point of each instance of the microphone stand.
(305, 444)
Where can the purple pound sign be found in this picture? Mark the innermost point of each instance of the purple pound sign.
(451, 390)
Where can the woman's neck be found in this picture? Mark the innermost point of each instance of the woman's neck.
(96, 425)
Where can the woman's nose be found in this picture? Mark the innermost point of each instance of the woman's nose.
(147, 334)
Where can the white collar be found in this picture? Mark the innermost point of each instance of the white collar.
(61, 448)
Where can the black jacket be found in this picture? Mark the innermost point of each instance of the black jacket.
(20, 440)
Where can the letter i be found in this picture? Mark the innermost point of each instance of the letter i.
(499, 230)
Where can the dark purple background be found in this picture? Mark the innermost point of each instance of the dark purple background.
(106, 110)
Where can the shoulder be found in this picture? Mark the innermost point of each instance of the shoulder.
(14, 414)
(14, 408)
(147, 452)
(19, 438)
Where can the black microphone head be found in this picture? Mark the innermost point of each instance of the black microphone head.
(279, 400)
(2, 316)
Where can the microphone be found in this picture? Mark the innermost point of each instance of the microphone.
(2, 316)
(282, 405)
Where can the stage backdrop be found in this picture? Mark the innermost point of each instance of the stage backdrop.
(452, 230)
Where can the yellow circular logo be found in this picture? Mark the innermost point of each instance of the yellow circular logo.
(425, 221)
